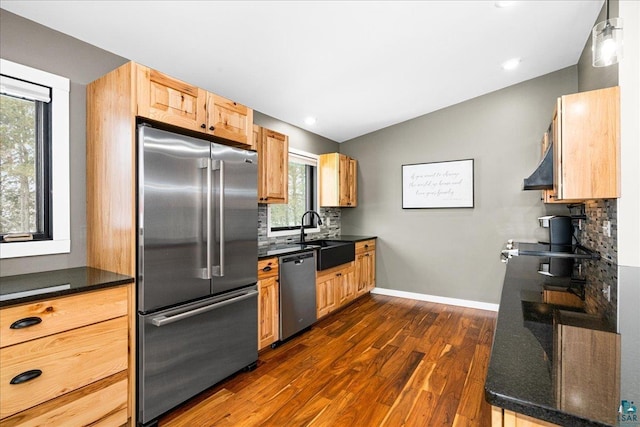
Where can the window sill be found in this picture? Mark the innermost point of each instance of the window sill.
(24, 249)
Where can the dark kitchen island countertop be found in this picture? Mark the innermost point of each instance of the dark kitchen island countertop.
(31, 287)
(292, 248)
(521, 374)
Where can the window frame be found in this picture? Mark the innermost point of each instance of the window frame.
(295, 230)
(60, 210)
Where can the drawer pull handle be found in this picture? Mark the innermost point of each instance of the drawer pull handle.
(267, 268)
(26, 376)
(25, 323)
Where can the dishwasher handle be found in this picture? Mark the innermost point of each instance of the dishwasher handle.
(166, 320)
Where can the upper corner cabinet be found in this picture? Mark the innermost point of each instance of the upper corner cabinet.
(338, 180)
(586, 130)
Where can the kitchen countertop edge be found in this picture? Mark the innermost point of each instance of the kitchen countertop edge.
(56, 278)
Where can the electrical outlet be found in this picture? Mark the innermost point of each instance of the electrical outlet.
(606, 228)
(606, 291)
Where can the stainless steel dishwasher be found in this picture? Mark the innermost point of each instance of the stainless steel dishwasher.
(297, 293)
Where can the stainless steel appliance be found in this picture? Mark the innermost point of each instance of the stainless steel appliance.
(197, 257)
(297, 293)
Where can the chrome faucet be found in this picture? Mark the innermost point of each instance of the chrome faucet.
(302, 223)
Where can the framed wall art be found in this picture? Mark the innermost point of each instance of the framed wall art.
(438, 185)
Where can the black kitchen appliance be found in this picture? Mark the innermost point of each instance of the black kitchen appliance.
(560, 229)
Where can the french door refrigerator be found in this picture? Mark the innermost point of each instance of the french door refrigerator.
(196, 272)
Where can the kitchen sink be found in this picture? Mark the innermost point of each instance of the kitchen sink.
(331, 253)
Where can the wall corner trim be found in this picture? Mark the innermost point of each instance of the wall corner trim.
(437, 299)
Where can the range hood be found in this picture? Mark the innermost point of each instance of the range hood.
(542, 177)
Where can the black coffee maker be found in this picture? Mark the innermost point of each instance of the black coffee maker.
(560, 230)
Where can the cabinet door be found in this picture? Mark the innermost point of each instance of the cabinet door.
(170, 100)
(268, 312)
(338, 184)
(345, 284)
(352, 184)
(588, 141)
(229, 120)
(273, 167)
(325, 295)
(365, 272)
(343, 183)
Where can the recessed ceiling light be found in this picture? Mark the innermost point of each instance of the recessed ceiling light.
(511, 64)
(502, 4)
(310, 121)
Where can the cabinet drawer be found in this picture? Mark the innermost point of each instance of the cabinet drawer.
(366, 245)
(268, 268)
(67, 361)
(62, 314)
(103, 403)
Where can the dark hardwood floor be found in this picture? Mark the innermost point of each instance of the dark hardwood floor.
(382, 361)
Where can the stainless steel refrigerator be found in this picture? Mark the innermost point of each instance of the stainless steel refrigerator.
(196, 275)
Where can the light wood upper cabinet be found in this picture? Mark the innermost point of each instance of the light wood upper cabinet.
(338, 180)
(229, 120)
(170, 100)
(273, 166)
(586, 136)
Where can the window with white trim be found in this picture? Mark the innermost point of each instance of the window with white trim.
(34, 162)
(284, 219)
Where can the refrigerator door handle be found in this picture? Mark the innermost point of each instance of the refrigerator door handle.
(166, 320)
(209, 187)
(218, 270)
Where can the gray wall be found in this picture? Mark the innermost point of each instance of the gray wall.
(34, 45)
(298, 138)
(590, 77)
(455, 252)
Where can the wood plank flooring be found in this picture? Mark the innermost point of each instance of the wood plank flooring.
(382, 361)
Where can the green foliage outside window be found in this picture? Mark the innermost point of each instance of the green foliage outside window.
(18, 174)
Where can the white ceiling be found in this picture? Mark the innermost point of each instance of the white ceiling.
(357, 66)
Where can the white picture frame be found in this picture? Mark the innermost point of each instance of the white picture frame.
(447, 184)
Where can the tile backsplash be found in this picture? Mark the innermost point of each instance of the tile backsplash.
(605, 271)
(330, 227)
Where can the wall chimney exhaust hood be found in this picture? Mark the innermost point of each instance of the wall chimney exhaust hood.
(542, 177)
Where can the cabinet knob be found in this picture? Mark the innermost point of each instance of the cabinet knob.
(212, 128)
(366, 254)
(203, 126)
(338, 274)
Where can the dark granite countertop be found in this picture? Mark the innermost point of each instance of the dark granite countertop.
(292, 248)
(521, 375)
(49, 284)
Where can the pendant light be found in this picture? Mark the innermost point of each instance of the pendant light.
(607, 41)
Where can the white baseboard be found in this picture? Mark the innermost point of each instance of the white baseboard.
(434, 298)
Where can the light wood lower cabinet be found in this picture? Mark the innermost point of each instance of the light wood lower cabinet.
(335, 287)
(268, 302)
(76, 375)
(505, 418)
(365, 266)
